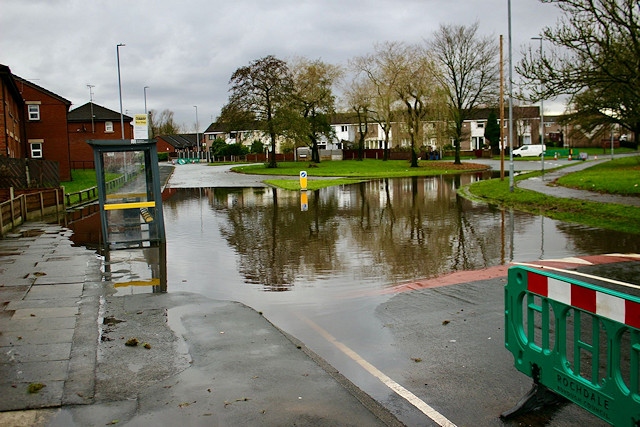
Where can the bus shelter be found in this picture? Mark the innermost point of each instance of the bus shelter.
(129, 194)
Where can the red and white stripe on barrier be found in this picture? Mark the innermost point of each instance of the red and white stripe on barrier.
(612, 307)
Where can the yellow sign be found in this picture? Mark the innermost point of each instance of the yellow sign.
(303, 180)
(140, 119)
(140, 126)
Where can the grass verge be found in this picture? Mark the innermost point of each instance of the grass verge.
(368, 168)
(293, 184)
(601, 215)
(617, 176)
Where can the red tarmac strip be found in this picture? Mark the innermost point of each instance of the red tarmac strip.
(498, 271)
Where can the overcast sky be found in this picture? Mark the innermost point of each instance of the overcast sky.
(185, 51)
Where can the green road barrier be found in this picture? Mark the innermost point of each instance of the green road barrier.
(576, 340)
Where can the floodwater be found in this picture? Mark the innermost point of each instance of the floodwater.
(231, 242)
(325, 257)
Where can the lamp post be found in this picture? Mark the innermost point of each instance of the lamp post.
(144, 89)
(120, 87)
(146, 113)
(197, 135)
(541, 111)
(511, 180)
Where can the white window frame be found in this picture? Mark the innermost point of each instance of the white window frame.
(34, 112)
(108, 127)
(36, 149)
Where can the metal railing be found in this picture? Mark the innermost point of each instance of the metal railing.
(88, 195)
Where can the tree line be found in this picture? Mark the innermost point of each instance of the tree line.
(592, 55)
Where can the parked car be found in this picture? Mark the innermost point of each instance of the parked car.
(532, 150)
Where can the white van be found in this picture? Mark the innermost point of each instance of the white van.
(532, 150)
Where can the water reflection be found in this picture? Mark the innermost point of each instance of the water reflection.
(384, 231)
(389, 230)
(137, 270)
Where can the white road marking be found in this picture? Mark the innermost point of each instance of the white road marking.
(400, 390)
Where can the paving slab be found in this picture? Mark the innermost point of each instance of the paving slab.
(35, 353)
(26, 313)
(57, 292)
(25, 336)
(34, 324)
(16, 396)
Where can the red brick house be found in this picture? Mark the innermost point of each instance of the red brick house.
(12, 129)
(92, 121)
(46, 125)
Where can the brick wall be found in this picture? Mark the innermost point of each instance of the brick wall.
(50, 130)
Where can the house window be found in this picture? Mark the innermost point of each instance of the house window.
(108, 127)
(480, 125)
(343, 128)
(34, 112)
(36, 150)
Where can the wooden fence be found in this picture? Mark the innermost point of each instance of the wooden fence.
(30, 206)
(28, 173)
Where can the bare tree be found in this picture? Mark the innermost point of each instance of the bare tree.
(163, 123)
(468, 72)
(263, 89)
(381, 69)
(314, 101)
(357, 99)
(593, 55)
(417, 89)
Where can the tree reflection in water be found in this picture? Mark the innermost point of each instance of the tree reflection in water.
(395, 229)
(382, 231)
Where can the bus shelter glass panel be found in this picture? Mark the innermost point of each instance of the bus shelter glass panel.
(129, 190)
(129, 203)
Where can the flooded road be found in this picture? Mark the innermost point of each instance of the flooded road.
(320, 270)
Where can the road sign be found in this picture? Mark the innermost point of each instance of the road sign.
(303, 180)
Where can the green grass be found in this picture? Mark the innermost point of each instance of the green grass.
(602, 215)
(364, 169)
(618, 176)
(294, 184)
(83, 179)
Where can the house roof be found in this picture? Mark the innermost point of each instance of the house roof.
(214, 128)
(20, 83)
(100, 113)
(180, 141)
(9, 82)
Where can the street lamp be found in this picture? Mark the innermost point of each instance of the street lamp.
(120, 87)
(197, 135)
(144, 89)
(541, 110)
(146, 113)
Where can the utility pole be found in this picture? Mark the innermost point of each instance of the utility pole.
(541, 111)
(501, 109)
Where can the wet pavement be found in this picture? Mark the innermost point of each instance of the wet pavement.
(64, 333)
